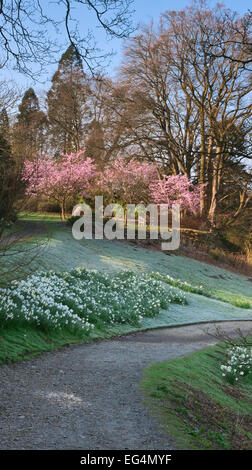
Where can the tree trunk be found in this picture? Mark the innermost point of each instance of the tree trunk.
(213, 204)
(209, 171)
(202, 163)
(125, 217)
(215, 187)
(63, 212)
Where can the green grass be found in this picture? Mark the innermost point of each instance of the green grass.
(195, 404)
(39, 216)
(18, 344)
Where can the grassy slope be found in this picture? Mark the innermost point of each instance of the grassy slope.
(194, 404)
(64, 253)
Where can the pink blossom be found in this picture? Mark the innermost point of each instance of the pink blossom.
(176, 190)
(127, 181)
(59, 179)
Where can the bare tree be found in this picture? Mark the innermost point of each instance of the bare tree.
(241, 39)
(195, 106)
(169, 118)
(107, 133)
(28, 30)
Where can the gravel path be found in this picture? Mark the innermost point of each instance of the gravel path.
(87, 396)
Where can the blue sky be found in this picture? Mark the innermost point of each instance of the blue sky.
(146, 10)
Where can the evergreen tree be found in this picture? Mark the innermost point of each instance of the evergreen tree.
(29, 131)
(70, 60)
(4, 122)
(66, 102)
(28, 108)
(6, 164)
(5, 150)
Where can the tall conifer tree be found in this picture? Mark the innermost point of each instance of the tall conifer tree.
(66, 102)
(29, 131)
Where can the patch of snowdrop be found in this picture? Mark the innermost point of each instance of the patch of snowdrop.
(80, 300)
(183, 285)
(239, 363)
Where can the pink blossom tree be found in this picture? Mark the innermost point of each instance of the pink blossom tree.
(59, 179)
(176, 189)
(127, 181)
